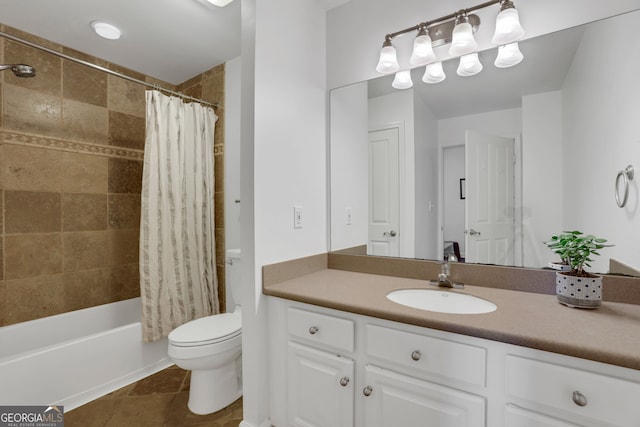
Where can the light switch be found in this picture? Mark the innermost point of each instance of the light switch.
(297, 217)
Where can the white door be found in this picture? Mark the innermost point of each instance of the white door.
(384, 199)
(320, 391)
(490, 199)
(394, 400)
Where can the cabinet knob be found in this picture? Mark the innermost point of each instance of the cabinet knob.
(367, 390)
(344, 381)
(579, 399)
(416, 355)
(313, 330)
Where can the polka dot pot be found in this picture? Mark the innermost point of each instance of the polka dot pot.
(579, 292)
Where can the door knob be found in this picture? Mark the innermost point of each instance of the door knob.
(391, 233)
(472, 232)
(344, 381)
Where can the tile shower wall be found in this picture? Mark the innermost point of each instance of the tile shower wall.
(71, 150)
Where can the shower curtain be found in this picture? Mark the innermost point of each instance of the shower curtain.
(178, 279)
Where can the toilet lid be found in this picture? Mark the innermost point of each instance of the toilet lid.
(207, 330)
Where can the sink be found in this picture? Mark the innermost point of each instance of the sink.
(441, 301)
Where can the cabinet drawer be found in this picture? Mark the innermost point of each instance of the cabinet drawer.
(321, 329)
(462, 363)
(517, 417)
(572, 393)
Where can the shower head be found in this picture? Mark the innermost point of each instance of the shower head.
(20, 70)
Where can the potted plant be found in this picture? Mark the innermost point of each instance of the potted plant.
(577, 287)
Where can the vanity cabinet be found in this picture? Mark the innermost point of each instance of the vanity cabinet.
(320, 388)
(331, 368)
(392, 399)
(570, 394)
(319, 382)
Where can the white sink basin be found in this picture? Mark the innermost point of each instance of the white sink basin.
(441, 301)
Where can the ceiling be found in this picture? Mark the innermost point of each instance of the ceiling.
(171, 40)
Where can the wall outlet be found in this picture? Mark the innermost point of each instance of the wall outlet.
(349, 216)
(297, 217)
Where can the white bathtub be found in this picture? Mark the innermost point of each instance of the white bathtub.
(72, 358)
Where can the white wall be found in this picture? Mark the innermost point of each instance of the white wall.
(542, 193)
(357, 28)
(284, 161)
(426, 181)
(396, 109)
(349, 161)
(454, 206)
(601, 137)
(232, 84)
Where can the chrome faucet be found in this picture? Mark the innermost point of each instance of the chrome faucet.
(443, 278)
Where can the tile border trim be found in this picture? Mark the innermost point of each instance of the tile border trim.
(38, 141)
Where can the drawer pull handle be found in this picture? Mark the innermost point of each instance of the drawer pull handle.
(367, 390)
(344, 381)
(313, 330)
(579, 399)
(416, 355)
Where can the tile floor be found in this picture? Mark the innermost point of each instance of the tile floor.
(159, 400)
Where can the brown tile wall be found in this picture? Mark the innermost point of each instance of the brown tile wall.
(71, 145)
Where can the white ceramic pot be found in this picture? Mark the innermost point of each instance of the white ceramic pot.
(579, 292)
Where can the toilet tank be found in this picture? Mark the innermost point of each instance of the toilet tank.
(232, 278)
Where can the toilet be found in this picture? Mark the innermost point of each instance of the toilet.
(211, 348)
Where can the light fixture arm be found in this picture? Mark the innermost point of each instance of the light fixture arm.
(449, 17)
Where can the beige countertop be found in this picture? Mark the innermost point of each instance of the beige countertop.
(609, 334)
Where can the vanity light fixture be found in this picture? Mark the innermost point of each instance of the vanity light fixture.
(508, 28)
(462, 41)
(456, 28)
(508, 56)
(402, 80)
(106, 30)
(422, 48)
(469, 65)
(434, 73)
(220, 3)
(388, 62)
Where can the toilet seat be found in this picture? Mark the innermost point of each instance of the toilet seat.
(207, 330)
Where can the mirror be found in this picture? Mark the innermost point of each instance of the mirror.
(400, 165)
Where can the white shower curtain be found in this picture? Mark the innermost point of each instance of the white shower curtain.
(178, 279)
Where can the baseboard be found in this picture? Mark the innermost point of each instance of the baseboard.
(248, 424)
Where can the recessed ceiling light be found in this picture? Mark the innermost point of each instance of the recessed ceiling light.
(220, 3)
(105, 30)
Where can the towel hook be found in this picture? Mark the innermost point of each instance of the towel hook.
(626, 175)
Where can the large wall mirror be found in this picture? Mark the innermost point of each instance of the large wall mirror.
(490, 166)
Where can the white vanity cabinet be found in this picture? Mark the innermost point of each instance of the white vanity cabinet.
(393, 399)
(572, 395)
(319, 382)
(330, 368)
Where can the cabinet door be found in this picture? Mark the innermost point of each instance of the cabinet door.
(393, 400)
(517, 417)
(320, 388)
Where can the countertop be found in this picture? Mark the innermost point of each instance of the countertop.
(608, 334)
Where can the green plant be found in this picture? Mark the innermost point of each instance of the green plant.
(576, 249)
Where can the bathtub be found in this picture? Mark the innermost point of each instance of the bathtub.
(72, 358)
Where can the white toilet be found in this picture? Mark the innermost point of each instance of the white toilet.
(211, 348)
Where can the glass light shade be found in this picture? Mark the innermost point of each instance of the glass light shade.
(388, 62)
(469, 65)
(508, 56)
(402, 80)
(508, 28)
(434, 73)
(462, 41)
(220, 3)
(422, 51)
